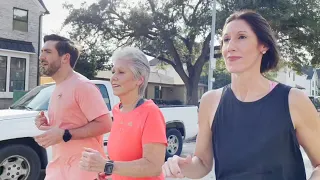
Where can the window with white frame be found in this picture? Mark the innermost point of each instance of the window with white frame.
(293, 76)
(14, 75)
(3, 73)
(157, 92)
(20, 19)
(17, 74)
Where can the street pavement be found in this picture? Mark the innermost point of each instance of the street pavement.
(188, 148)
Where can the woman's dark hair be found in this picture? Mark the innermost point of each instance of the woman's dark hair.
(65, 46)
(265, 36)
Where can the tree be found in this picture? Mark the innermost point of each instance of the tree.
(177, 32)
(220, 74)
(90, 61)
(295, 22)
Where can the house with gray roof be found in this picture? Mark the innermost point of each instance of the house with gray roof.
(307, 81)
(20, 41)
(164, 83)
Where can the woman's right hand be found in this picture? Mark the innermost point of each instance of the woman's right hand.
(172, 167)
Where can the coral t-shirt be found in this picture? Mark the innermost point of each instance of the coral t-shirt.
(74, 103)
(131, 130)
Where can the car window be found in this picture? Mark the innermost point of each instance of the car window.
(41, 101)
(315, 101)
(105, 95)
(37, 99)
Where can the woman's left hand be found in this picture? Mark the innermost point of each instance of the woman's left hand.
(92, 160)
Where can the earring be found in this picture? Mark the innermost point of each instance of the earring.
(263, 52)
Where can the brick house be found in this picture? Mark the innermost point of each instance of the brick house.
(20, 40)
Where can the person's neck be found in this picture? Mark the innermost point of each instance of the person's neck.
(61, 75)
(249, 86)
(129, 101)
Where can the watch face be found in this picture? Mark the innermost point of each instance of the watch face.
(66, 136)
(108, 168)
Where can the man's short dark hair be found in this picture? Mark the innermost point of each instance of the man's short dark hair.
(65, 46)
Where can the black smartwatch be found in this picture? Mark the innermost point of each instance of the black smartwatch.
(66, 136)
(108, 168)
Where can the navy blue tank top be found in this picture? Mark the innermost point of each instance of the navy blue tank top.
(256, 140)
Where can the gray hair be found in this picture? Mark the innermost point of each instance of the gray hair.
(139, 64)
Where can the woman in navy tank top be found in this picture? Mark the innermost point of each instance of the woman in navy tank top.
(252, 129)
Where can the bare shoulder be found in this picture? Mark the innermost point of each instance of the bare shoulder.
(300, 106)
(307, 124)
(296, 94)
(299, 101)
(209, 103)
(211, 97)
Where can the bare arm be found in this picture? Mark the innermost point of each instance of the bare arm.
(98, 126)
(97, 114)
(148, 166)
(202, 162)
(307, 124)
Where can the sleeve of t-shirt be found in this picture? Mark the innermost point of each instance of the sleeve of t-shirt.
(90, 101)
(154, 130)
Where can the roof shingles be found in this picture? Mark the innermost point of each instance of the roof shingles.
(16, 45)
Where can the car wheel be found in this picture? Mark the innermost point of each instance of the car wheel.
(175, 143)
(19, 162)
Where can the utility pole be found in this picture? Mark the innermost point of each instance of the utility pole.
(212, 60)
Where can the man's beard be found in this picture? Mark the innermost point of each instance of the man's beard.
(51, 70)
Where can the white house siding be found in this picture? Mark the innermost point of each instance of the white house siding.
(34, 9)
(291, 78)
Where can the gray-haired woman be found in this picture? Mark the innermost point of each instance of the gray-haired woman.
(137, 142)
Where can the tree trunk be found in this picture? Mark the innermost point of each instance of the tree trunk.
(192, 91)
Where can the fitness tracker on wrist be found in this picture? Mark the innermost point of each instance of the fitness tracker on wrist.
(66, 136)
(108, 168)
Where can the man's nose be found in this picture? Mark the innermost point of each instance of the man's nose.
(41, 57)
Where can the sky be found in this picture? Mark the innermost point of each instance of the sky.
(52, 22)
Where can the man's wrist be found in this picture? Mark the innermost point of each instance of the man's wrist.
(66, 135)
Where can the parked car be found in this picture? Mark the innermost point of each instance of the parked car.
(316, 102)
(22, 158)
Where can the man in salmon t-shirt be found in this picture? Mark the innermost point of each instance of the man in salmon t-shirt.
(78, 115)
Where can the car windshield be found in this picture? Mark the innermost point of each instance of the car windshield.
(316, 102)
(37, 99)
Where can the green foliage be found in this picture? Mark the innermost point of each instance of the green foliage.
(177, 32)
(296, 25)
(91, 61)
